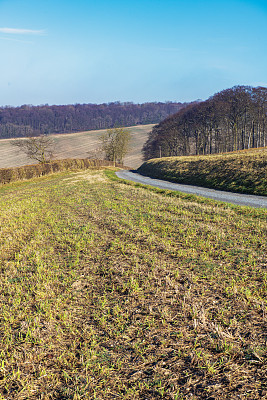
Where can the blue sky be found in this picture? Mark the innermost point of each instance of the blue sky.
(63, 52)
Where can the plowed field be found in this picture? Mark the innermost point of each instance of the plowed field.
(77, 145)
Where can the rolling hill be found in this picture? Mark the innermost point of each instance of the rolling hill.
(77, 145)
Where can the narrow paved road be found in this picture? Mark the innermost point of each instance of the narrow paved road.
(228, 197)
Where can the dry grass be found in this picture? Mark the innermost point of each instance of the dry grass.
(112, 291)
(243, 171)
(8, 175)
(92, 177)
(76, 145)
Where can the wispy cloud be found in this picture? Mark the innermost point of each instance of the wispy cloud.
(14, 31)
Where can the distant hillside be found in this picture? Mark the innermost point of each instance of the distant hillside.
(31, 120)
(77, 145)
(243, 172)
(234, 119)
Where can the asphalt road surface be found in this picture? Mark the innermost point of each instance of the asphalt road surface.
(228, 197)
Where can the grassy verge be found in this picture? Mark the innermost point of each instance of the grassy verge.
(8, 175)
(110, 290)
(243, 172)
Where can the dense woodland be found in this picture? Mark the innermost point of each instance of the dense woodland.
(32, 120)
(233, 119)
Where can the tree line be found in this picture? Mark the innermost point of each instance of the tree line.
(30, 120)
(231, 120)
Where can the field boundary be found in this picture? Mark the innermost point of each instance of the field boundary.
(8, 175)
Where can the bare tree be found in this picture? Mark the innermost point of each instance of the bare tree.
(96, 154)
(231, 120)
(115, 144)
(38, 148)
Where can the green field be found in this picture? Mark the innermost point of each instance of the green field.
(115, 291)
(243, 171)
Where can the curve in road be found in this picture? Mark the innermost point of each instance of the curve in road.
(228, 197)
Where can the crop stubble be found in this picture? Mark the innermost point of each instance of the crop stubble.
(110, 290)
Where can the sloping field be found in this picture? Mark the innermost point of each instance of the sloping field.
(76, 145)
(243, 171)
(113, 291)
